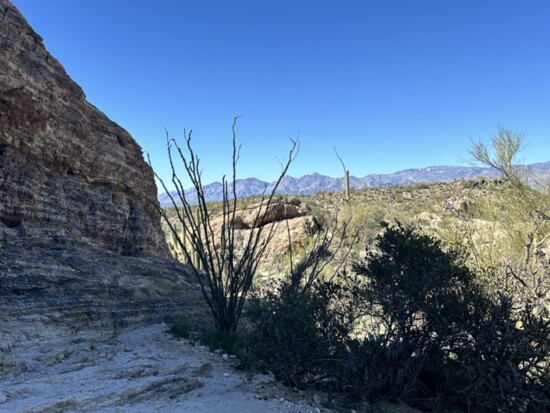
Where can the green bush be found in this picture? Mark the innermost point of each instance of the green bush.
(236, 343)
(301, 335)
(504, 362)
(441, 342)
(180, 329)
(419, 296)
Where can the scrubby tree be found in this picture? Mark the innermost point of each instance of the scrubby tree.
(522, 216)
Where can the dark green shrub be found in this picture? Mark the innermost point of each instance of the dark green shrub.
(442, 344)
(504, 363)
(236, 343)
(301, 335)
(179, 329)
(419, 296)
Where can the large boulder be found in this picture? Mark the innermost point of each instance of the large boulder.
(285, 223)
(80, 237)
(257, 215)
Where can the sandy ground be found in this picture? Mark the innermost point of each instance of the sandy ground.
(137, 370)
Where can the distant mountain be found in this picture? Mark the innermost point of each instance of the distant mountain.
(214, 191)
(312, 183)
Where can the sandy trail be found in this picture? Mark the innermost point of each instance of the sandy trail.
(142, 369)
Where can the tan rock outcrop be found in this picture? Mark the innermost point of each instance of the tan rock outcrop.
(297, 230)
(256, 215)
(285, 222)
(282, 222)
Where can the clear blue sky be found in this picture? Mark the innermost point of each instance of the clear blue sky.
(391, 84)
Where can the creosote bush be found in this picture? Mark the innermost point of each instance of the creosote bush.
(503, 363)
(302, 329)
(418, 296)
(300, 335)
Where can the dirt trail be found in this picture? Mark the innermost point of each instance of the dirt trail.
(140, 370)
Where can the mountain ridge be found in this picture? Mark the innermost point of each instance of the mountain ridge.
(314, 182)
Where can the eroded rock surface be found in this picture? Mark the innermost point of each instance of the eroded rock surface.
(80, 238)
(63, 163)
(136, 370)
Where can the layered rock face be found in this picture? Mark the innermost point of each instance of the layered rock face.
(63, 163)
(79, 231)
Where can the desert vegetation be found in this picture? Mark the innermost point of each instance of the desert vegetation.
(225, 276)
(433, 295)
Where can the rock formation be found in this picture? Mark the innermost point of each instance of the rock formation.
(63, 162)
(80, 237)
(283, 222)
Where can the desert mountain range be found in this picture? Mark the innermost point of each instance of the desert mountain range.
(313, 183)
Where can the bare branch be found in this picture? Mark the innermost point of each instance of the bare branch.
(225, 273)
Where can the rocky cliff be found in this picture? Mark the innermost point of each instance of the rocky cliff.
(79, 232)
(63, 162)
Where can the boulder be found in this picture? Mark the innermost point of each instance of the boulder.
(457, 204)
(257, 215)
(283, 221)
(297, 230)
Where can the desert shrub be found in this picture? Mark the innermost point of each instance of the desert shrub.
(441, 342)
(502, 364)
(237, 343)
(299, 334)
(417, 295)
(180, 329)
(301, 328)
(522, 222)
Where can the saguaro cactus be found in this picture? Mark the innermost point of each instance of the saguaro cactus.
(346, 176)
(347, 185)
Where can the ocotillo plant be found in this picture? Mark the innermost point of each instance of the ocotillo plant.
(224, 269)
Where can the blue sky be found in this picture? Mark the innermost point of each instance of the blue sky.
(391, 84)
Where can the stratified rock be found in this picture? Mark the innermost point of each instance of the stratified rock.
(63, 163)
(80, 236)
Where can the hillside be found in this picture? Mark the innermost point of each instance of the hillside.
(421, 204)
